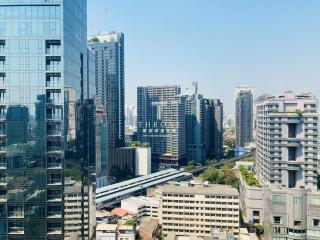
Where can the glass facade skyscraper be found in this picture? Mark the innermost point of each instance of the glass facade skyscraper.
(214, 128)
(43, 85)
(244, 115)
(162, 124)
(110, 96)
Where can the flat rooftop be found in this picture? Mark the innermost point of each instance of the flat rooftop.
(141, 200)
(214, 189)
(106, 227)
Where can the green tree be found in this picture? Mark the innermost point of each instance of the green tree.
(189, 168)
(94, 40)
(230, 142)
(210, 162)
(213, 175)
(249, 177)
(130, 222)
(259, 229)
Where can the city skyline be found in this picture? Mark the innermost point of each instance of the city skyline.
(278, 39)
(122, 133)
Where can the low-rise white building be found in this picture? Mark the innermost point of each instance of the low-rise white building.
(195, 210)
(106, 231)
(143, 161)
(126, 233)
(141, 206)
(251, 202)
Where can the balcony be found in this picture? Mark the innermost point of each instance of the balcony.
(54, 231)
(294, 143)
(53, 80)
(16, 228)
(54, 215)
(53, 47)
(55, 101)
(54, 133)
(294, 167)
(3, 117)
(54, 179)
(3, 198)
(2, 46)
(54, 148)
(54, 165)
(2, 63)
(15, 214)
(54, 212)
(54, 67)
(53, 63)
(3, 166)
(54, 117)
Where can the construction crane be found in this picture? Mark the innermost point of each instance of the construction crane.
(101, 15)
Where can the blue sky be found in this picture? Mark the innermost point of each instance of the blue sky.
(271, 44)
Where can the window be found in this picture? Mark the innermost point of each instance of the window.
(316, 222)
(297, 222)
(298, 200)
(316, 201)
(292, 130)
(277, 220)
(278, 199)
(292, 152)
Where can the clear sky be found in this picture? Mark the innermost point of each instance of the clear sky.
(271, 44)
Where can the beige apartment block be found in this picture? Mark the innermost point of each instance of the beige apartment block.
(196, 210)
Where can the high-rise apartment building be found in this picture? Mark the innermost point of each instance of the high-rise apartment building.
(161, 123)
(244, 115)
(43, 86)
(109, 52)
(287, 140)
(110, 77)
(195, 125)
(214, 128)
(194, 211)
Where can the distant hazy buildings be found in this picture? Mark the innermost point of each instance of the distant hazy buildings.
(161, 123)
(195, 125)
(244, 115)
(287, 140)
(131, 116)
(214, 128)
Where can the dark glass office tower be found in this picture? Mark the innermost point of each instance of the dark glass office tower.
(244, 115)
(214, 128)
(162, 124)
(43, 80)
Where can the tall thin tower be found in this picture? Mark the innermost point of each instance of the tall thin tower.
(244, 115)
